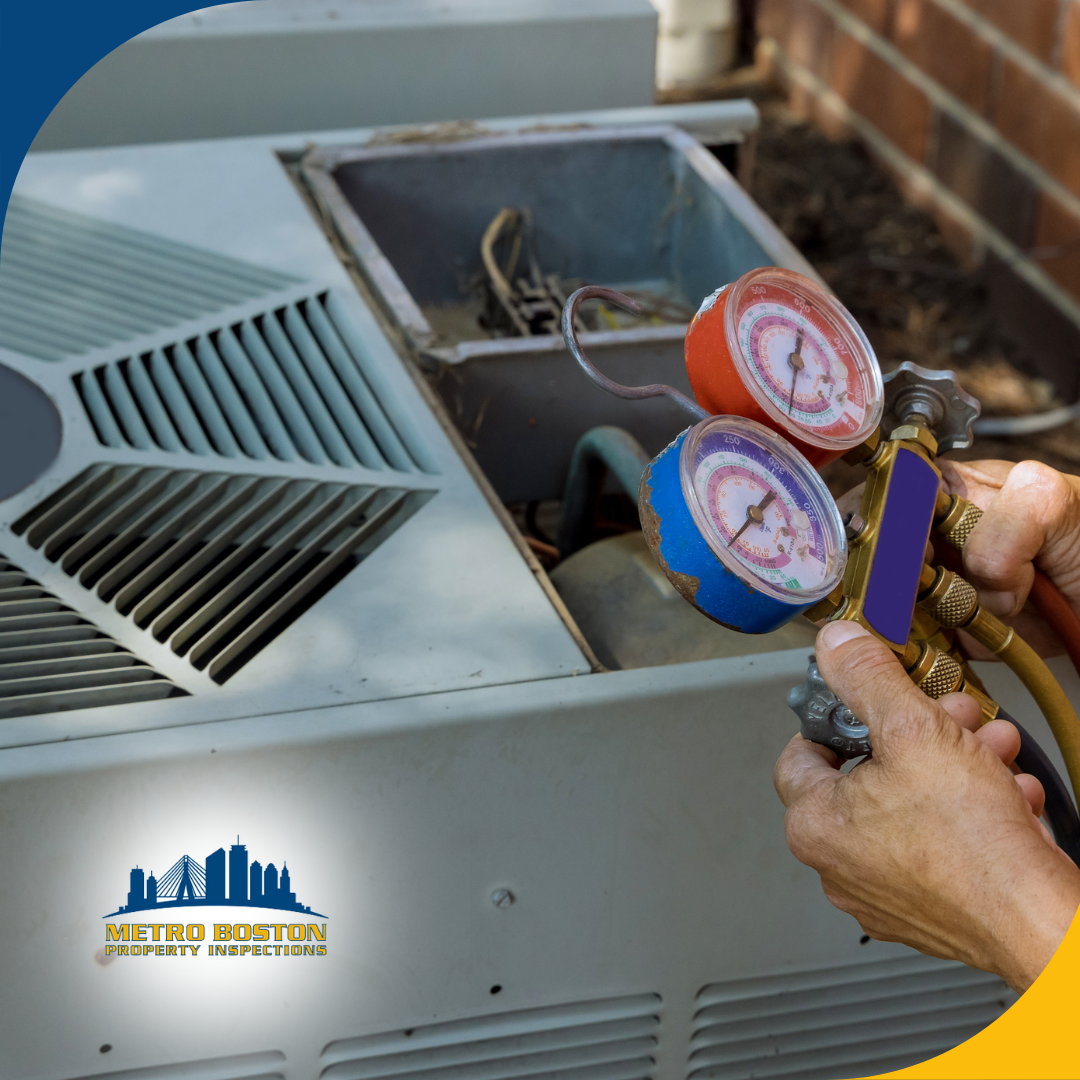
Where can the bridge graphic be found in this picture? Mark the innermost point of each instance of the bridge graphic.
(187, 884)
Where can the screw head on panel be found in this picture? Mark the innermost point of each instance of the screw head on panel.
(502, 898)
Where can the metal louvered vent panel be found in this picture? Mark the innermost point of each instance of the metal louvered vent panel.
(841, 1022)
(52, 659)
(70, 283)
(216, 564)
(613, 1039)
(264, 1066)
(289, 384)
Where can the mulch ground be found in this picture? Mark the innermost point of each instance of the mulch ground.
(890, 266)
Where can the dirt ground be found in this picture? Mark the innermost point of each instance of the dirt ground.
(888, 263)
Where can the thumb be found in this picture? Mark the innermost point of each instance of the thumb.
(868, 678)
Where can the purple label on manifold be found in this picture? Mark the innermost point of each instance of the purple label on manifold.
(901, 547)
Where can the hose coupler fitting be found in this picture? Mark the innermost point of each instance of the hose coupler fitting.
(957, 517)
(950, 600)
(954, 604)
(936, 673)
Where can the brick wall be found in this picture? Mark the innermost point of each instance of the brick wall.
(980, 97)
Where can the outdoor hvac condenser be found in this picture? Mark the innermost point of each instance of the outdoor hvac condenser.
(307, 769)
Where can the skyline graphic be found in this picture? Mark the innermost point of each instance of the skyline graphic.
(188, 884)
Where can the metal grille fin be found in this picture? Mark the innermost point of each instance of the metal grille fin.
(70, 283)
(216, 564)
(289, 384)
(52, 659)
(265, 1066)
(613, 1039)
(848, 1021)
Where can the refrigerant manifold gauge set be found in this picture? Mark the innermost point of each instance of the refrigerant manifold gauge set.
(739, 519)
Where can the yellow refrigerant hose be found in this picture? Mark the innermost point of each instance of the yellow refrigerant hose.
(1029, 667)
(956, 526)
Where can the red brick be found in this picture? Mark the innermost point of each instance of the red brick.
(946, 49)
(875, 13)
(1041, 122)
(808, 105)
(1070, 42)
(872, 87)
(1030, 23)
(801, 28)
(984, 178)
(1057, 244)
(959, 239)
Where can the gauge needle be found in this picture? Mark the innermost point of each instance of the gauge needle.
(797, 364)
(755, 515)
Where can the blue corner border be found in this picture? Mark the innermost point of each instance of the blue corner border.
(46, 46)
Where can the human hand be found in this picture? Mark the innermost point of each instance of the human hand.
(1031, 518)
(932, 841)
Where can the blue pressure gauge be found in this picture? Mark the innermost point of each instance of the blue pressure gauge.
(742, 524)
(736, 517)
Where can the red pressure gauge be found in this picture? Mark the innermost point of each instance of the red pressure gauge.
(775, 347)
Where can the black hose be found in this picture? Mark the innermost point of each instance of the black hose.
(1059, 810)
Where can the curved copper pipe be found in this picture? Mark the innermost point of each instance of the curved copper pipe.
(633, 393)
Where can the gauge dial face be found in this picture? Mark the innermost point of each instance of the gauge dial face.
(803, 368)
(767, 512)
(810, 364)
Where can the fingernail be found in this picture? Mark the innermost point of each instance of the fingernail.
(834, 634)
(1002, 604)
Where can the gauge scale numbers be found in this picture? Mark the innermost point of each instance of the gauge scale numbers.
(759, 512)
(803, 372)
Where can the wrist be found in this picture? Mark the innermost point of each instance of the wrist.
(1042, 905)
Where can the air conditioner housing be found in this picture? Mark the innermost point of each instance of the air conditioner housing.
(525, 866)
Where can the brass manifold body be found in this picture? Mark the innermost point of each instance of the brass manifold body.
(931, 655)
(944, 602)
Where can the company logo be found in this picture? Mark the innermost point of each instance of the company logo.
(191, 885)
(187, 883)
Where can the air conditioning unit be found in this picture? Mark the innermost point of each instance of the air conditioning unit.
(265, 66)
(307, 768)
